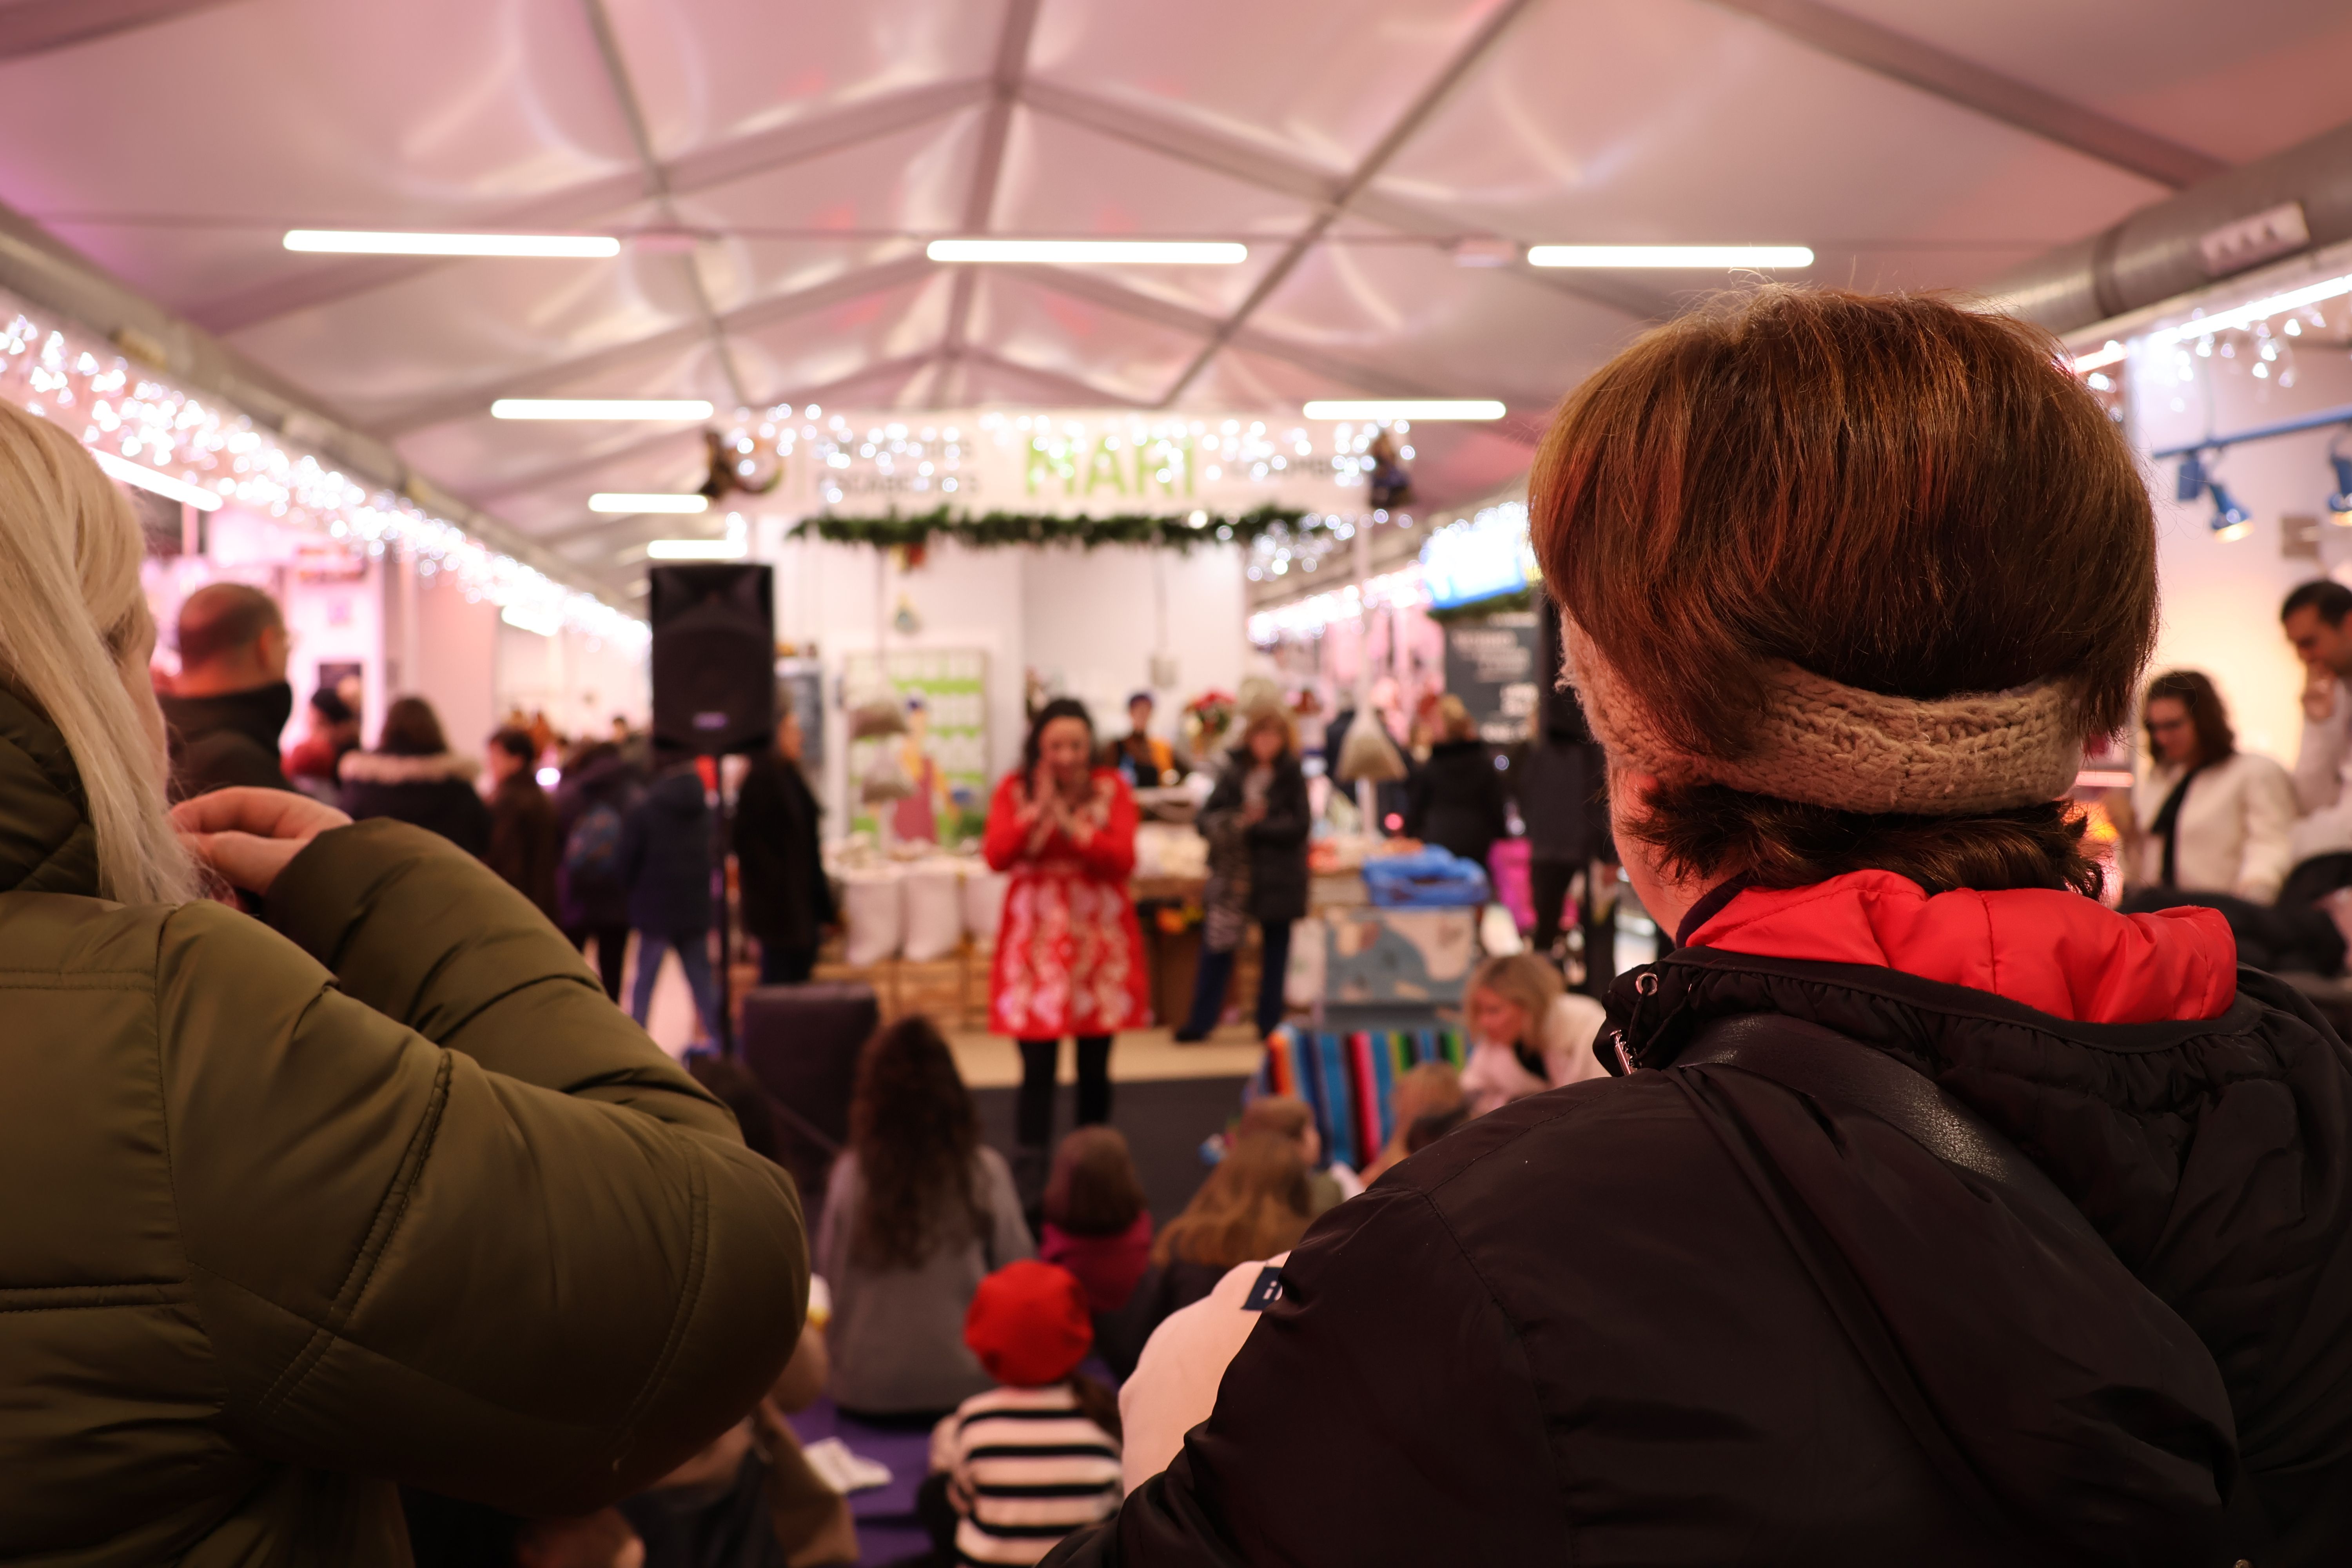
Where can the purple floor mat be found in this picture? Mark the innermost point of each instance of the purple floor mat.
(887, 1530)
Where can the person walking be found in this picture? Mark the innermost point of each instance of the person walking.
(230, 701)
(1256, 821)
(333, 734)
(525, 841)
(377, 1190)
(665, 859)
(413, 777)
(592, 893)
(1940, 1214)
(1069, 955)
(1455, 800)
(779, 860)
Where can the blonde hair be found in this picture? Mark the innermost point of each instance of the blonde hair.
(1252, 1206)
(1453, 720)
(1272, 716)
(75, 637)
(1526, 982)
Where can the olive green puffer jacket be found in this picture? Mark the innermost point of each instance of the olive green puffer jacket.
(395, 1195)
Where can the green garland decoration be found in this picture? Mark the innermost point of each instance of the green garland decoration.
(1480, 609)
(999, 530)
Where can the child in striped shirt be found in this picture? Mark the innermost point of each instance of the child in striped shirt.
(1036, 1457)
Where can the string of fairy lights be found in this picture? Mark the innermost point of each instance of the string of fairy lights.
(147, 431)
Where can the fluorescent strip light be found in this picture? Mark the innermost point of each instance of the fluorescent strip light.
(697, 549)
(2110, 352)
(600, 408)
(545, 619)
(1705, 256)
(2261, 310)
(1157, 252)
(629, 505)
(1407, 408)
(366, 242)
(163, 485)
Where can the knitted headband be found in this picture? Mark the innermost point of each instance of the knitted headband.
(1823, 743)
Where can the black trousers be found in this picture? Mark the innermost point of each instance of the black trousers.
(612, 953)
(1548, 881)
(1216, 972)
(1032, 1112)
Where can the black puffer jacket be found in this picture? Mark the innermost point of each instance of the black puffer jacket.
(1457, 799)
(1596, 1327)
(1277, 841)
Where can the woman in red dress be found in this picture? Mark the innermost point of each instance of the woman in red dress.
(1069, 956)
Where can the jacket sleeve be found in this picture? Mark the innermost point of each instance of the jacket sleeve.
(451, 1217)
(1110, 853)
(1417, 786)
(1003, 840)
(1285, 823)
(1009, 1240)
(2269, 853)
(2319, 762)
(1380, 1412)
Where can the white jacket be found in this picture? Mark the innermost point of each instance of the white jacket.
(2235, 830)
(1493, 1076)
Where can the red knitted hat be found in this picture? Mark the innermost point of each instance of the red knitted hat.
(1028, 1324)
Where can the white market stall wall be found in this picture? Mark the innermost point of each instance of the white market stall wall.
(456, 652)
(578, 682)
(1094, 620)
(1088, 617)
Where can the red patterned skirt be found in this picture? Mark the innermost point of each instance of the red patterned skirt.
(1069, 957)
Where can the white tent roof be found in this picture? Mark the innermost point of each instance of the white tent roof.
(777, 167)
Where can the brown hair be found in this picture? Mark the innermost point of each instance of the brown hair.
(223, 618)
(1094, 1190)
(411, 729)
(1453, 720)
(2216, 742)
(1283, 1115)
(1887, 490)
(917, 1138)
(1252, 1206)
(1271, 716)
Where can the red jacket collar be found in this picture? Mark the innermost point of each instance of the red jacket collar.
(2060, 953)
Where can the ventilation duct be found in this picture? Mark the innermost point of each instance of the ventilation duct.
(2297, 200)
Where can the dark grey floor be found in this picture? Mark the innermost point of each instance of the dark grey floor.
(1165, 1120)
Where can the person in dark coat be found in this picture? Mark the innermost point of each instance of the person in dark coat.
(666, 859)
(1256, 820)
(779, 863)
(1560, 779)
(526, 841)
(1457, 800)
(1938, 1215)
(414, 776)
(230, 701)
(592, 895)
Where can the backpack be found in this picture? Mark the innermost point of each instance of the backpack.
(592, 852)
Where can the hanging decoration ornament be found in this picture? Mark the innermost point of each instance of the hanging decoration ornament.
(734, 463)
(1180, 531)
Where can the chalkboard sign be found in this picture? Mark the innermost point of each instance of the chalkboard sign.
(1492, 665)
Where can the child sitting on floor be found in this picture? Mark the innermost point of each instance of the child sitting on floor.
(1096, 1226)
(1036, 1457)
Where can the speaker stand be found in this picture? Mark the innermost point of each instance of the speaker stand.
(721, 840)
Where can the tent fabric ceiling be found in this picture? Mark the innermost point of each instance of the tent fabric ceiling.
(776, 168)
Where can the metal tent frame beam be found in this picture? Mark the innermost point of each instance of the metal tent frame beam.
(1981, 90)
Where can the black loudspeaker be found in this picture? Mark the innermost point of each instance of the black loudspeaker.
(714, 657)
(1559, 717)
